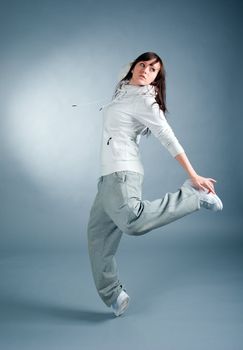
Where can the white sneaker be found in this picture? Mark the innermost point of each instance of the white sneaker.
(121, 303)
(207, 200)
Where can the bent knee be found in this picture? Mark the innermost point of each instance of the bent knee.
(132, 229)
(129, 231)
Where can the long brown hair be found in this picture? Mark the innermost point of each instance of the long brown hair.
(158, 83)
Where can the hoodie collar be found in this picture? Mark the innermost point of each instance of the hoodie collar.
(124, 88)
(134, 89)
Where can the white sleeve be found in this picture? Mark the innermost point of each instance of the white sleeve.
(153, 117)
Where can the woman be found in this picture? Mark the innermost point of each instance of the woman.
(137, 108)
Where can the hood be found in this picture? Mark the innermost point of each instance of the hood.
(124, 88)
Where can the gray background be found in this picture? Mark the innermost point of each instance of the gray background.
(185, 279)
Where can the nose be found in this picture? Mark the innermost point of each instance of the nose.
(145, 69)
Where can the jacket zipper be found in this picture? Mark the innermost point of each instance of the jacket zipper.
(109, 140)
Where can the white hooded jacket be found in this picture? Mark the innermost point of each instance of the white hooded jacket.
(130, 112)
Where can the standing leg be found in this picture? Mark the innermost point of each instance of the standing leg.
(103, 240)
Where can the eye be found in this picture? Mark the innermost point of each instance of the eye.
(152, 69)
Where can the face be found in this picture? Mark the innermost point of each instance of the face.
(145, 72)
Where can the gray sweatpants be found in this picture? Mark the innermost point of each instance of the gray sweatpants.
(118, 208)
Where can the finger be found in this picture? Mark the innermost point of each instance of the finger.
(210, 189)
(210, 186)
(203, 188)
(212, 180)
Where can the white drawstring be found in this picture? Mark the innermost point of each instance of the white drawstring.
(88, 103)
(118, 94)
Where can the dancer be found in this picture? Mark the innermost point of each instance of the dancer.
(138, 107)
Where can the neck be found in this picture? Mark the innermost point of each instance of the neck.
(130, 83)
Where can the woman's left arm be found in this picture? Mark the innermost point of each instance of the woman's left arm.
(199, 181)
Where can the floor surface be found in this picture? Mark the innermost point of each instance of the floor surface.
(186, 292)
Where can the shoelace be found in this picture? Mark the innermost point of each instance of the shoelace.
(206, 204)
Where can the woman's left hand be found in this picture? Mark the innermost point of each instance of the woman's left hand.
(199, 182)
(203, 183)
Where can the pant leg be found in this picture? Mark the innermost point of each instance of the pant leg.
(122, 201)
(103, 240)
(118, 207)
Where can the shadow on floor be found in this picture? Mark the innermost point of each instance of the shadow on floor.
(15, 308)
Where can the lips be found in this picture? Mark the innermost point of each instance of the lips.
(141, 76)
